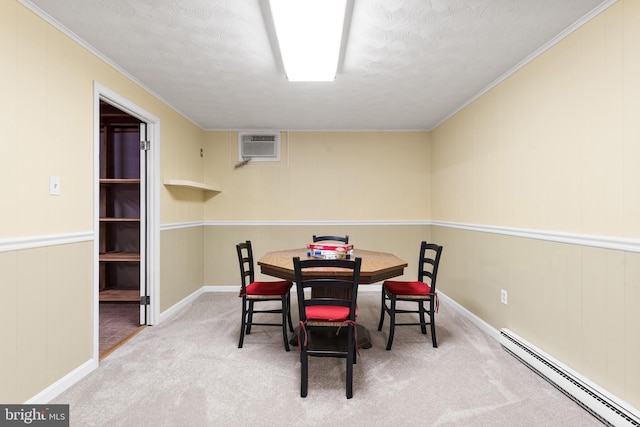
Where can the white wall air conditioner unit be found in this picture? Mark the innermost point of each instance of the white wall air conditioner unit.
(259, 146)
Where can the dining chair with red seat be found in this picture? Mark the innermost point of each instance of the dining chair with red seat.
(421, 291)
(327, 320)
(253, 292)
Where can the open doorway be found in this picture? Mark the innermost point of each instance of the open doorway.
(121, 234)
(126, 222)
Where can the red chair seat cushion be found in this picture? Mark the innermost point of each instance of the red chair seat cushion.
(269, 288)
(407, 288)
(331, 313)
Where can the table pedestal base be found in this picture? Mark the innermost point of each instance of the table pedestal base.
(327, 337)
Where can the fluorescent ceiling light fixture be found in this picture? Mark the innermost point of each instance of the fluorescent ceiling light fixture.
(309, 34)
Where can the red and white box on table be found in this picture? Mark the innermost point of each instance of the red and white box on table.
(329, 251)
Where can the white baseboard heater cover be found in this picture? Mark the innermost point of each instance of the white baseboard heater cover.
(594, 399)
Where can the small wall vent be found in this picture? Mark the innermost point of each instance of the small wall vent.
(259, 146)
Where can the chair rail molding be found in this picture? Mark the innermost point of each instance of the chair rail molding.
(593, 240)
(32, 242)
(179, 225)
(317, 223)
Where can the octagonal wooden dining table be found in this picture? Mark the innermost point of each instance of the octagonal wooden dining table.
(376, 267)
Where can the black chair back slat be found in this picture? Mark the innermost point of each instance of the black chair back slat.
(281, 293)
(314, 291)
(342, 239)
(428, 262)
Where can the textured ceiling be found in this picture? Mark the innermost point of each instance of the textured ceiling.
(408, 65)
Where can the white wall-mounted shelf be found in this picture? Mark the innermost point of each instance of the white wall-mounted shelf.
(192, 184)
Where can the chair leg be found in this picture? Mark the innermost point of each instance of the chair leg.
(249, 318)
(350, 362)
(304, 365)
(285, 311)
(244, 322)
(289, 311)
(392, 320)
(423, 323)
(433, 327)
(382, 310)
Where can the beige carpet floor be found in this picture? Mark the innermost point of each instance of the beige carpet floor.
(188, 371)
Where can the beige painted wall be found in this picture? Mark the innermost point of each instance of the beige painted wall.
(555, 147)
(182, 268)
(578, 304)
(46, 314)
(46, 115)
(348, 178)
(47, 121)
(323, 176)
(221, 262)
(181, 144)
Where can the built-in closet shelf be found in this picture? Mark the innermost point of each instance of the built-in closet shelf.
(192, 184)
(120, 257)
(119, 180)
(120, 295)
(120, 206)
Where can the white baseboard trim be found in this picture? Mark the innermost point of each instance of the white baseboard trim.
(376, 287)
(86, 368)
(63, 383)
(484, 326)
(232, 288)
(603, 405)
(77, 374)
(174, 309)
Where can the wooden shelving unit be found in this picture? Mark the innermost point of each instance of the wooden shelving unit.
(119, 246)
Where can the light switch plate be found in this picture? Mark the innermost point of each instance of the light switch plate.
(54, 185)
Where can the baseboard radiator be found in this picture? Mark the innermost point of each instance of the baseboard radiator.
(598, 402)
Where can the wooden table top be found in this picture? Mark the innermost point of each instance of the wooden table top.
(376, 266)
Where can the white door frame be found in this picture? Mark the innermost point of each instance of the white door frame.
(152, 215)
